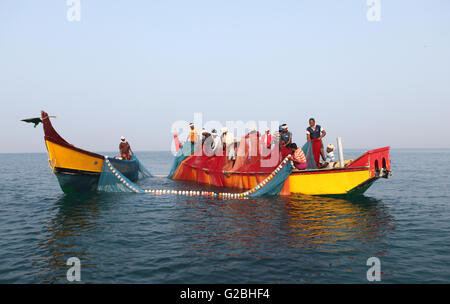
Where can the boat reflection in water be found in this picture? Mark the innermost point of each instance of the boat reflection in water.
(276, 223)
(316, 222)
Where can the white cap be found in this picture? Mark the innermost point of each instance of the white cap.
(224, 129)
(122, 137)
(253, 128)
(330, 146)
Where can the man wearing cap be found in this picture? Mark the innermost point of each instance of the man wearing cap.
(315, 133)
(285, 136)
(215, 146)
(124, 148)
(192, 137)
(330, 159)
(205, 135)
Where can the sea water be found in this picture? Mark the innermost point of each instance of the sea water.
(145, 238)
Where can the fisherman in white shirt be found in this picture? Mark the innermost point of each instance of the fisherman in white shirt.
(228, 144)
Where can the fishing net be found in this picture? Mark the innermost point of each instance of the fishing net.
(144, 172)
(111, 180)
(309, 154)
(183, 152)
(251, 166)
(275, 181)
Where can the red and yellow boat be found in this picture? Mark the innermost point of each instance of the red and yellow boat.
(355, 177)
(79, 170)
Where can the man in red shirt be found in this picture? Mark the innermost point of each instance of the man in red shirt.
(125, 149)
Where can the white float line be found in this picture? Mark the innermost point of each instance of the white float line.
(243, 195)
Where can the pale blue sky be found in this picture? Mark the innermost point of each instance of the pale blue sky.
(134, 67)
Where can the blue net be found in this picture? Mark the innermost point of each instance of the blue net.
(274, 185)
(308, 150)
(185, 151)
(144, 172)
(111, 180)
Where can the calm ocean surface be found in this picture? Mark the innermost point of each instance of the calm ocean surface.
(140, 238)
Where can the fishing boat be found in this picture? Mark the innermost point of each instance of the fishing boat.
(78, 170)
(350, 177)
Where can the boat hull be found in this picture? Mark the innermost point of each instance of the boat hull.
(77, 182)
(328, 182)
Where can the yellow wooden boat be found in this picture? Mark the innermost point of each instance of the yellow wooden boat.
(79, 170)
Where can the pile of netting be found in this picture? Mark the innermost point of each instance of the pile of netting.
(252, 164)
(111, 180)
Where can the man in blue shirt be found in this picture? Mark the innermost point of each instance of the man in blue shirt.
(285, 136)
(316, 133)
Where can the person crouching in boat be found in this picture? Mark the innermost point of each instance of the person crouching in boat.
(298, 157)
(330, 159)
(314, 134)
(125, 149)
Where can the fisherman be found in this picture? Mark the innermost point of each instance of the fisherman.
(285, 136)
(276, 136)
(215, 146)
(266, 139)
(228, 144)
(315, 133)
(205, 135)
(192, 137)
(253, 142)
(125, 149)
(330, 153)
(298, 156)
(330, 160)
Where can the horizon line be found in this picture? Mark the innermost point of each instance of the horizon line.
(403, 148)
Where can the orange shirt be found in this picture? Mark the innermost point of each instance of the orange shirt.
(299, 156)
(193, 135)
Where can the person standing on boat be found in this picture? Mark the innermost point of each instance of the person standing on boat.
(266, 139)
(298, 157)
(228, 144)
(205, 135)
(285, 141)
(276, 136)
(285, 136)
(216, 143)
(192, 137)
(314, 134)
(125, 149)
